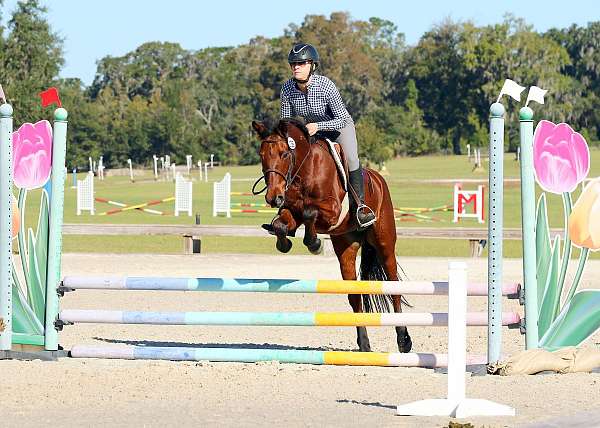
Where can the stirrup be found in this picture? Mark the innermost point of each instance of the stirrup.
(368, 223)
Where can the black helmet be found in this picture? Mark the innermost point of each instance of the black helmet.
(303, 52)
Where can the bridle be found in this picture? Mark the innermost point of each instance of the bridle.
(288, 177)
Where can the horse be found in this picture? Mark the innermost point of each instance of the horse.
(302, 180)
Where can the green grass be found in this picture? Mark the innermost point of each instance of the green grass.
(405, 192)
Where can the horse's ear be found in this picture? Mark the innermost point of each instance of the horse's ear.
(282, 127)
(260, 129)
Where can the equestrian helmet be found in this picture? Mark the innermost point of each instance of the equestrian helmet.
(302, 52)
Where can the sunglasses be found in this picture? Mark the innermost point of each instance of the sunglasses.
(292, 64)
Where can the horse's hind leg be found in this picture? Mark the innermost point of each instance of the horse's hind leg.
(346, 250)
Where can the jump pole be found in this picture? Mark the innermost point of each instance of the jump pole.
(59, 149)
(253, 211)
(298, 319)
(6, 127)
(295, 356)
(528, 225)
(495, 232)
(140, 207)
(136, 207)
(319, 286)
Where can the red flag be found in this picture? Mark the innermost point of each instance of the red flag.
(49, 97)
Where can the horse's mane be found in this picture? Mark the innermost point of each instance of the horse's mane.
(297, 121)
(300, 123)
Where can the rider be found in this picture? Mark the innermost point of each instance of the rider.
(317, 99)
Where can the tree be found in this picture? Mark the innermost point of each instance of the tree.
(583, 46)
(31, 59)
(372, 145)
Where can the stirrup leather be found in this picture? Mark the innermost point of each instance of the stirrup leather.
(368, 223)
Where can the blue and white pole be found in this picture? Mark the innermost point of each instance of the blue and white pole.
(495, 225)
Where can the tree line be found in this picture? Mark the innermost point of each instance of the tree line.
(431, 97)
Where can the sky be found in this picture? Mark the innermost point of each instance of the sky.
(93, 30)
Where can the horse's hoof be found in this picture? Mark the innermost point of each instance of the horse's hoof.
(364, 348)
(316, 247)
(405, 344)
(284, 246)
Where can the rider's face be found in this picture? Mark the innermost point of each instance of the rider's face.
(301, 70)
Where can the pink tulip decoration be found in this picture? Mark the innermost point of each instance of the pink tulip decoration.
(561, 157)
(16, 218)
(32, 154)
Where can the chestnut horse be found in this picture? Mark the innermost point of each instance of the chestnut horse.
(303, 182)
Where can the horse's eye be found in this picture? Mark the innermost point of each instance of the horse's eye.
(285, 155)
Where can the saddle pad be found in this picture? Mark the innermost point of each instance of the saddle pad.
(338, 162)
(343, 213)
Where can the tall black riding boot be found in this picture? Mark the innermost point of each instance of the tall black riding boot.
(364, 214)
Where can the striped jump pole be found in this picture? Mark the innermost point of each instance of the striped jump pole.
(123, 205)
(135, 207)
(298, 319)
(424, 210)
(249, 204)
(294, 356)
(322, 286)
(251, 211)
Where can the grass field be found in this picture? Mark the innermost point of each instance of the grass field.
(402, 179)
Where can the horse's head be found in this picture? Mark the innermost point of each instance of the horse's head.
(278, 154)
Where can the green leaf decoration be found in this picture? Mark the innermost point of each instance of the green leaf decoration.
(22, 248)
(41, 239)
(550, 299)
(24, 319)
(579, 319)
(543, 248)
(566, 254)
(36, 281)
(37, 248)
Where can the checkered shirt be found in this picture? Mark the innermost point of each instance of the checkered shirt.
(322, 104)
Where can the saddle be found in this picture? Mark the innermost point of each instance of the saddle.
(342, 168)
(336, 153)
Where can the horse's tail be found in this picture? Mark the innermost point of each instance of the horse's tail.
(371, 269)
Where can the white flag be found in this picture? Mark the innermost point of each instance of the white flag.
(536, 94)
(512, 89)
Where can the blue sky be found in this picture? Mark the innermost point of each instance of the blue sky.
(93, 30)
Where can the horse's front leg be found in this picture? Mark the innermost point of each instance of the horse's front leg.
(311, 241)
(282, 225)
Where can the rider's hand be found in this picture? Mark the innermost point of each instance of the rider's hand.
(312, 128)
